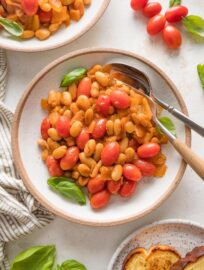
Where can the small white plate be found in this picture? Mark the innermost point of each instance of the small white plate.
(25, 133)
(63, 36)
(181, 234)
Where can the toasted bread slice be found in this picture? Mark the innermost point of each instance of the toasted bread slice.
(162, 258)
(157, 258)
(136, 260)
(194, 260)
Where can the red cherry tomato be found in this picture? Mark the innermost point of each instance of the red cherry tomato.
(148, 150)
(53, 166)
(120, 99)
(84, 87)
(45, 17)
(131, 172)
(151, 9)
(100, 199)
(70, 159)
(128, 188)
(110, 153)
(63, 126)
(96, 184)
(30, 7)
(99, 129)
(82, 139)
(172, 37)
(45, 125)
(146, 168)
(138, 4)
(103, 105)
(175, 14)
(113, 186)
(156, 24)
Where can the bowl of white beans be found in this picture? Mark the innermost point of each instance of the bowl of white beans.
(47, 154)
(32, 25)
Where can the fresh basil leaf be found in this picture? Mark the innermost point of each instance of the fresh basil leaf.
(167, 122)
(73, 76)
(72, 265)
(173, 3)
(195, 26)
(54, 181)
(35, 258)
(200, 69)
(12, 27)
(68, 189)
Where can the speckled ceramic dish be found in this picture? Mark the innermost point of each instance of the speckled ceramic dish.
(182, 234)
(150, 193)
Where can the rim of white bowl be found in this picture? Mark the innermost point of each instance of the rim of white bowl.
(19, 164)
(91, 24)
(146, 227)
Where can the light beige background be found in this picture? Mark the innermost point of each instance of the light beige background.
(120, 28)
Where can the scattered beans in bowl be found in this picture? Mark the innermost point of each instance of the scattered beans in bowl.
(41, 18)
(99, 133)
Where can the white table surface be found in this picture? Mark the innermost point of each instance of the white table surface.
(119, 28)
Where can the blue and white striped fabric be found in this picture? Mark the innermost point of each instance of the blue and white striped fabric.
(20, 213)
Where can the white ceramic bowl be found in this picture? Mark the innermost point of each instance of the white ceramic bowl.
(183, 235)
(64, 36)
(25, 132)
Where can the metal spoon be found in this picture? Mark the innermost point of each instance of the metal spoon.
(196, 163)
(140, 80)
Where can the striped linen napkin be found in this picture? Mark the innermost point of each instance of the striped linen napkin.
(20, 213)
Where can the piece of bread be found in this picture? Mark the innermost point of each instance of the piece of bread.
(157, 258)
(194, 260)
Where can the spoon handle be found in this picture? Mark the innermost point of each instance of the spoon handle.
(196, 163)
(185, 119)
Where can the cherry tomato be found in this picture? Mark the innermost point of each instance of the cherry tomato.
(133, 144)
(128, 188)
(103, 105)
(151, 9)
(53, 166)
(175, 14)
(30, 7)
(45, 125)
(138, 4)
(113, 186)
(99, 129)
(82, 139)
(45, 17)
(110, 153)
(156, 24)
(148, 150)
(172, 37)
(146, 168)
(120, 99)
(96, 184)
(63, 126)
(84, 87)
(131, 172)
(70, 159)
(100, 199)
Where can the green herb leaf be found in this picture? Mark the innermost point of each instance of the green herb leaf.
(68, 189)
(35, 258)
(71, 265)
(200, 69)
(73, 76)
(195, 26)
(12, 27)
(173, 3)
(167, 122)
